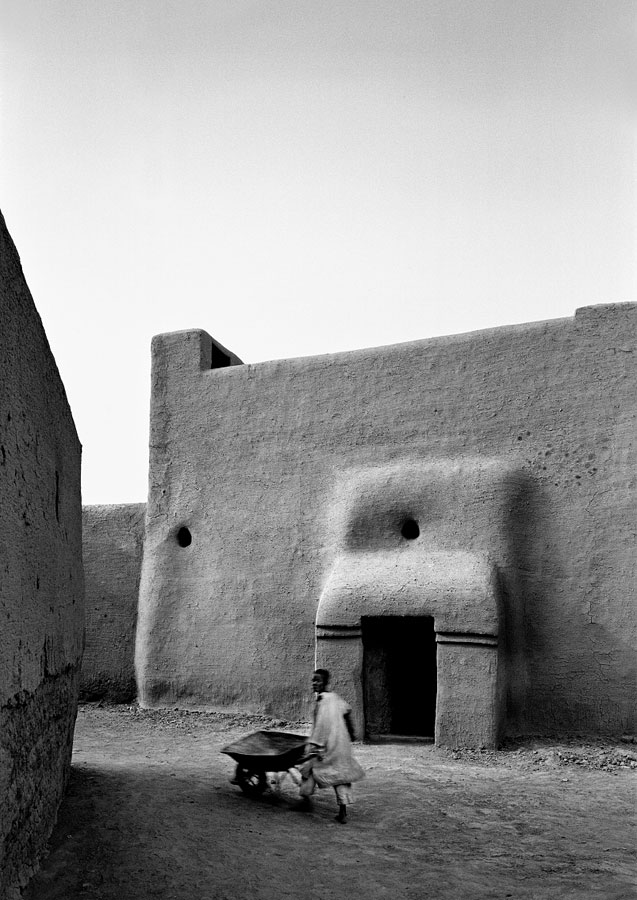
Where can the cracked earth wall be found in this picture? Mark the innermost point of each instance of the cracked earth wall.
(244, 463)
(41, 580)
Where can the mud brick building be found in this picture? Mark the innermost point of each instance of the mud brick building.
(450, 521)
(41, 579)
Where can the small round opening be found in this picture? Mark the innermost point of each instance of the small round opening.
(410, 529)
(184, 537)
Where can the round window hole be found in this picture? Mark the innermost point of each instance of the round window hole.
(184, 537)
(410, 529)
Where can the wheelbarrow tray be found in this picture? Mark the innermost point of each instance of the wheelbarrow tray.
(267, 751)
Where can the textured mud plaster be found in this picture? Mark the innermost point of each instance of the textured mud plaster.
(408, 548)
(252, 459)
(112, 541)
(41, 582)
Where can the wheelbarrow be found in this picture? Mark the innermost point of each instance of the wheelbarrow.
(261, 752)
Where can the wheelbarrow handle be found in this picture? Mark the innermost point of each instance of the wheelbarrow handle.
(312, 751)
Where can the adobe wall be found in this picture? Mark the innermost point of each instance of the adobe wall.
(41, 582)
(112, 540)
(405, 547)
(251, 459)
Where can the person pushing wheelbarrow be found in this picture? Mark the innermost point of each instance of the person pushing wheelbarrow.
(328, 760)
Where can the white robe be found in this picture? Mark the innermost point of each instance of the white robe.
(334, 763)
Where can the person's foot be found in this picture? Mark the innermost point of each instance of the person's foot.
(342, 814)
(303, 805)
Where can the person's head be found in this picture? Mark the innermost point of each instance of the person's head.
(320, 680)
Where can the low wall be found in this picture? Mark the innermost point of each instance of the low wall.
(112, 541)
(41, 580)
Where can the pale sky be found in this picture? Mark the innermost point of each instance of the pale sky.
(305, 176)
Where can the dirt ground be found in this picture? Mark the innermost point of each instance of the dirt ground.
(150, 813)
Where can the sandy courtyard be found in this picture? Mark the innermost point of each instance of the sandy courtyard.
(150, 813)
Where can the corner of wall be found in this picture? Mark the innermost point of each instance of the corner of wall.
(189, 352)
(605, 314)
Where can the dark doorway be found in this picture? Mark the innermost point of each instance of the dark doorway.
(399, 672)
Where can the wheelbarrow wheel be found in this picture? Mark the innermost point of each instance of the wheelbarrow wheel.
(251, 783)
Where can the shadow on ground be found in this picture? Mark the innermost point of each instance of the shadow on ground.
(150, 813)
